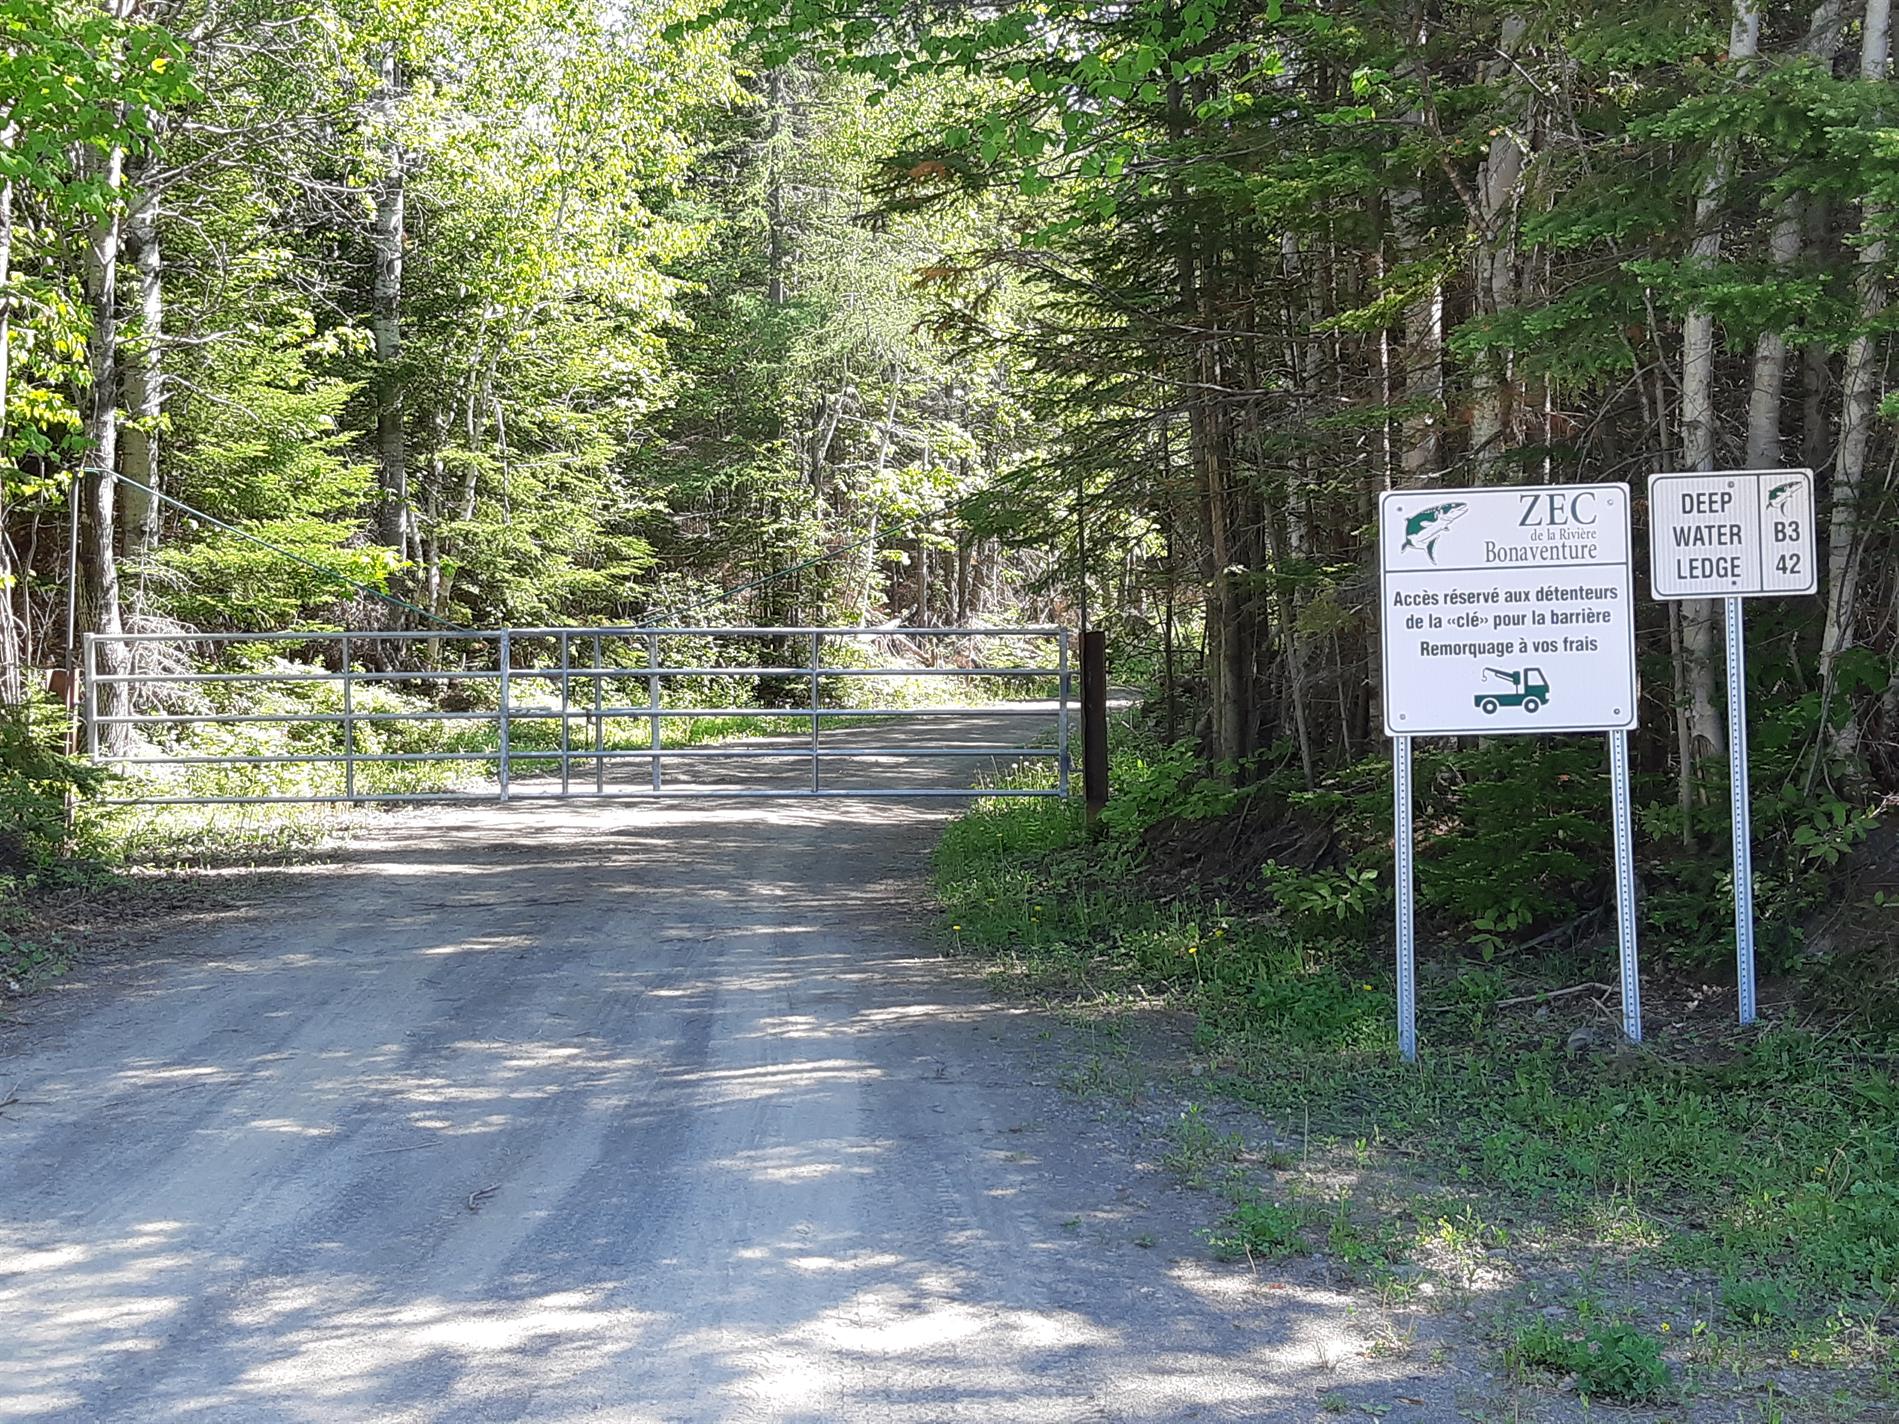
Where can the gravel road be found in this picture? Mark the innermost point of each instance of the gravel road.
(606, 1112)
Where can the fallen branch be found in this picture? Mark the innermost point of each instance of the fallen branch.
(1547, 994)
(475, 1199)
(1553, 994)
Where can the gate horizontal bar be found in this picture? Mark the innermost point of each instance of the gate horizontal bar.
(518, 754)
(618, 630)
(577, 712)
(554, 674)
(583, 793)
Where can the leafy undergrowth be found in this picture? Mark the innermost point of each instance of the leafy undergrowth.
(1741, 1186)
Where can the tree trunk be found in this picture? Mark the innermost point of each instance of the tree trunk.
(1859, 409)
(144, 383)
(1499, 179)
(777, 244)
(12, 677)
(1422, 360)
(1700, 616)
(100, 564)
(1770, 347)
(394, 523)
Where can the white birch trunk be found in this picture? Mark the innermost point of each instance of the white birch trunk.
(98, 487)
(1859, 405)
(1770, 347)
(394, 524)
(144, 383)
(1700, 616)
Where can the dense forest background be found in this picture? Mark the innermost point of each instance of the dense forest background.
(349, 312)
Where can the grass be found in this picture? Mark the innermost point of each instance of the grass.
(1766, 1160)
(1609, 1361)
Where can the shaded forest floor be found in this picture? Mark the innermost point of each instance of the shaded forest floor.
(1703, 1229)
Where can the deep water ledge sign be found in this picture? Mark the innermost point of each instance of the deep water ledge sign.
(1731, 535)
(1507, 610)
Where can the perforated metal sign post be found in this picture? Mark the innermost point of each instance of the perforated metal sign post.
(1507, 611)
(1732, 535)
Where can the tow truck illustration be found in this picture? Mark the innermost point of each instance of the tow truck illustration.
(1528, 690)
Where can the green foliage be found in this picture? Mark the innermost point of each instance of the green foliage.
(1319, 902)
(1758, 1302)
(1610, 1361)
(38, 776)
(1259, 1229)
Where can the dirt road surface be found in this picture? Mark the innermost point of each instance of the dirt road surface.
(568, 1112)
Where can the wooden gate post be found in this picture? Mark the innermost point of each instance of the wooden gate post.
(1094, 720)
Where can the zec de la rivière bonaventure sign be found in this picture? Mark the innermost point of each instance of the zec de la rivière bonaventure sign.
(1507, 610)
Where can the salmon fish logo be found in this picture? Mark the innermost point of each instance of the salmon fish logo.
(1423, 529)
(1780, 497)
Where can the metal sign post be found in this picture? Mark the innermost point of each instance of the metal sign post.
(1507, 611)
(1625, 886)
(1407, 945)
(1740, 812)
(1733, 535)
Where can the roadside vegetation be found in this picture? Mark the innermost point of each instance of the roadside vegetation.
(1700, 1216)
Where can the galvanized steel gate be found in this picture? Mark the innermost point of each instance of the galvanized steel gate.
(215, 719)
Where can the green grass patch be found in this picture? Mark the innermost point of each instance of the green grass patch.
(1771, 1162)
(1259, 1230)
(1609, 1361)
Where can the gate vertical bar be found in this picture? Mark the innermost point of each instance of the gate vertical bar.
(1625, 886)
(506, 659)
(1739, 810)
(815, 751)
(599, 726)
(1064, 759)
(652, 698)
(88, 699)
(349, 725)
(1402, 873)
(566, 681)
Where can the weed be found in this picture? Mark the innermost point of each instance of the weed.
(1758, 1303)
(1610, 1361)
(1198, 1147)
(1258, 1228)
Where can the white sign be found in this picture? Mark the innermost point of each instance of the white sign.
(1507, 610)
(1731, 534)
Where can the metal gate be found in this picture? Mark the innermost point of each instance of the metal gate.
(501, 714)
